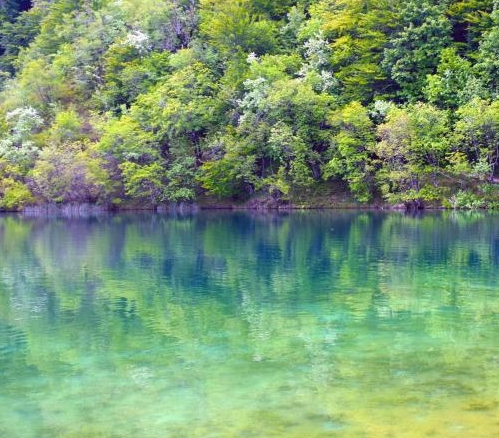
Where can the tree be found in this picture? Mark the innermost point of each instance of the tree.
(469, 19)
(72, 172)
(14, 193)
(412, 148)
(19, 147)
(358, 31)
(350, 149)
(129, 73)
(281, 131)
(234, 25)
(285, 107)
(477, 136)
(158, 142)
(231, 170)
(16, 35)
(10, 9)
(413, 52)
(487, 65)
(169, 24)
(454, 82)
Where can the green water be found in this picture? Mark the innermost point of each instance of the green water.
(246, 325)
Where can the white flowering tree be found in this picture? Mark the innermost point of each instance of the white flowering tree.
(17, 146)
(316, 68)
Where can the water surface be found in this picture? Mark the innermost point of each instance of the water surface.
(250, 325)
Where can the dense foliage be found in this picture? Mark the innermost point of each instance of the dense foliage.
(162, 101)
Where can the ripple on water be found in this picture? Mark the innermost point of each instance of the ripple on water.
(223, 325)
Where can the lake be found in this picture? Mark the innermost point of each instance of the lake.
(221, 324)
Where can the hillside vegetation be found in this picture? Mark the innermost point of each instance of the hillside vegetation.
(148, 102)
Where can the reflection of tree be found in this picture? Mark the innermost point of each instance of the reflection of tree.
(219, 256)
(329, 300)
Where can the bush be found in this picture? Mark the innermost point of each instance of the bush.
(14, 194)
(466, 200)
(72, 173)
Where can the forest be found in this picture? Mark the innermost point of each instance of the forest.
(145, 103)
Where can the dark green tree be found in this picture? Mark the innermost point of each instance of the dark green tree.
(413, 52)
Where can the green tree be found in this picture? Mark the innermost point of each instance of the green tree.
(414, 143)
(413, 52)
(16, 35)
(350, 150)
(164, 129)
(235, 25)
(285, 107)
(454, 82)
(487, 65)
(14, 192)
(469, 19)
(230, 171)
(280, 133)
(358, 31)
(477, 136)
(72, 172)
(128, 74)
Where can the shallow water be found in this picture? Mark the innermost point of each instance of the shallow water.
(246, 325)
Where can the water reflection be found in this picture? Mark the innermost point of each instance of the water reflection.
(234, 324)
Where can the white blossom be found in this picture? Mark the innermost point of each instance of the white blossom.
(252, 58)
(317, 51)
(139, 40)
(381, 109)
(18, 147)
(256, 93)
(23, 120)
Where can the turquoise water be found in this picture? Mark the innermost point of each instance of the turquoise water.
(250, 325)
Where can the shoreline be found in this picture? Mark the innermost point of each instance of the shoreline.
(82, 210)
